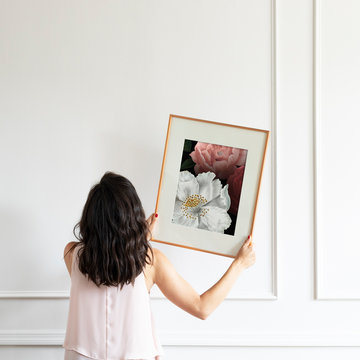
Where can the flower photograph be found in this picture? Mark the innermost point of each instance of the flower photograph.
(209, 186)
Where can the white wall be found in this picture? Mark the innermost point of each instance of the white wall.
(88, 86)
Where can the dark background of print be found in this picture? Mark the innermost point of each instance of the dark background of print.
(188, 164)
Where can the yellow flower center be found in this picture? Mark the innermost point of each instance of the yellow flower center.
(194, 200)
(190, 203)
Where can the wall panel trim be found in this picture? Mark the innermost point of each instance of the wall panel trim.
(319, 294)
(65, 295)
(200, 339)
(19, 294)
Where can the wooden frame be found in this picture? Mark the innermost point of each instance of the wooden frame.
(233, 176)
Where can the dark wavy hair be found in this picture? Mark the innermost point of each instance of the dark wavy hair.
(113, 233)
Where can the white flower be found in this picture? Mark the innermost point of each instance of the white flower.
(202, 202)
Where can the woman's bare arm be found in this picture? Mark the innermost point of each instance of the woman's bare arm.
(182, 294)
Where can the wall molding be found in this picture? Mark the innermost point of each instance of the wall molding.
(318, 293)
(274, 157)
(65, 295)
(200, 339)
(34, 294)
(18, 294)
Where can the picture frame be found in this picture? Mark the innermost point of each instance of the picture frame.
(209, 185)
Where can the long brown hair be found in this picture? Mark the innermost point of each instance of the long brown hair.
(113, 233)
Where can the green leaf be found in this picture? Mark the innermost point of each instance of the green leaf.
(187, 164)
(188, 145)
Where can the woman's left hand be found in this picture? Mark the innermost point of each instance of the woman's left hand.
(151, 221)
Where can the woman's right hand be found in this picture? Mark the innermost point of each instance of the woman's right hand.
(182, 294)
(246, 254)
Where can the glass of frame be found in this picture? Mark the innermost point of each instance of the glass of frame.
(209, 185)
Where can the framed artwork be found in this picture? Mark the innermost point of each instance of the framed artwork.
(209, 185)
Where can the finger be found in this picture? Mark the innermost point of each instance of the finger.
(154, 217)
(151, 218)
(246, 242)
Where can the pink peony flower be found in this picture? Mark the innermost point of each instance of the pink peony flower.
(222, 160)
(235, 183)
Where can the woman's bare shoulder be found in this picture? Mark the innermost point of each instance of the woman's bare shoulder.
(157, 257)
(68, 253)
(70, 246)
(151, 269)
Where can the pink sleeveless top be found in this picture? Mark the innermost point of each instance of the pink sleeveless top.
(109, 323)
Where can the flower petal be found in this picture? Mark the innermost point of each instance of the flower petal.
(183, 220)
(222, 201)
(215, 219)
(187, 185)
(207, 157)
(177, 208)
(208, 187)
(194, 156)
(234, 156)
(222, 169)
(242, 157)
(201, 159)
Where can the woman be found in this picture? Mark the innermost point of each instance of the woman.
(112, 270)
